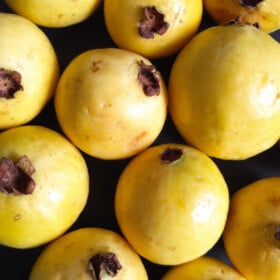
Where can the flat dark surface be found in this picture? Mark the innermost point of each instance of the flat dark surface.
(99, 212)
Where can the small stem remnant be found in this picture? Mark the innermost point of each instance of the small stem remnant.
(148, 78)
(153, 22)
(277, 233)
(250, 3)
(15, 177)
(10, 83)
(170, 155)
(103, 265)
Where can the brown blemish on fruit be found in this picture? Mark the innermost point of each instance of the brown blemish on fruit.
(239, 21)
(15, 177)
(153, 22)
(170, 155)
(96, 64)
(103, 264)
(274, 200)
(277, 232)
(10, 83)
(250, 3)
(148, 77)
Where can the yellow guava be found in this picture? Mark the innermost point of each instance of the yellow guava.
(29, 70)
(252, 233)
(224, 91)
(171, 203)
(54, 14)
(111, 103)
(44, 185)
(87, 254)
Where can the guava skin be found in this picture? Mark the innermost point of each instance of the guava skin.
(265, 13)
(224, 91)
(204, 267)
(27, 50)
(171, 203)
(181, 20)
(54, 14)
(251, 235)
(68, 256)
(61, 187)
(104, 107)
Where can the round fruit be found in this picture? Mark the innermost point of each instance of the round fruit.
(252, 232)
(224, 91)
(171, 203)
(155, 28)
(43, 185)
(87, 254)
(206, 268)
(29, 70)
(60, 13)
(111, 103)
(264, 13)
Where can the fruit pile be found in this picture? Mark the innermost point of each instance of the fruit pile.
(139, 139)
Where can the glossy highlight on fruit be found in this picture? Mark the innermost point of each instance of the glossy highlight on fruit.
(44, 185)
(29, 70)
(224, 91)
(155, 28)
(111, 103)
(54, 14)
(251, 235)
(171, 203)
(87, 254)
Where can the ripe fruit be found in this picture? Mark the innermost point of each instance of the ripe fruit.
(265, 13)
(171, 203)
(111, 103)
(224, 91)
(206, 268)
(89, 253)
(155, 28)
(60, 13)
(29, 70)
(251, 235)
(43, 185)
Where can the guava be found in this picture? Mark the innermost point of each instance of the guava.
(204, 267)
(155, 28)
(171, 203)
(252, 232)
(29, 70)
(55, 14)
(44, 185)
(89, 254)
(264, 13)
(111, 103)
(224, 91)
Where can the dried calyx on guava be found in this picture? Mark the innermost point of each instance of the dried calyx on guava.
(250, 3)
(153, 22)
(148, 77)
(10, 83)
(15, 176)
(277, 232)
(170, 155)
(103, 265)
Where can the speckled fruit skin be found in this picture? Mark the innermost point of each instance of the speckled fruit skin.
(224, 91)
(61, 191)
(204, 267)
(68, 256)
(122, 21)
(171, 213)
(266, 13)
(102, 107)
(54, 14)
(26, 49)
(252, 224)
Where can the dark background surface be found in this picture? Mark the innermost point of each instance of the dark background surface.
(68, 42)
